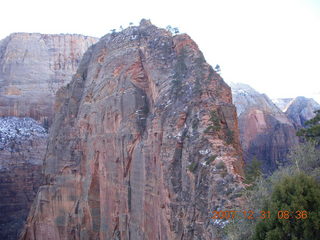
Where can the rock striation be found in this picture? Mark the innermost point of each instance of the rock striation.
(265, 131)
(301, 109)
(32, 67)
(144, 144)
(22, 149)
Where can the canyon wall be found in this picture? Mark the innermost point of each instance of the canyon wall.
(22, 149)
(144, 144)
(33, 67)
(265, 131)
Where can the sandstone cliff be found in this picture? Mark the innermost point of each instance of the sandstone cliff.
(22, 149)
(265, 131)
(301, 109)
(144, 144)
(32, 67)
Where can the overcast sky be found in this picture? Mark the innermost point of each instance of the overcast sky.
(272, 45)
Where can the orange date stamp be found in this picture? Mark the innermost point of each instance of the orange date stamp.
(249, 214)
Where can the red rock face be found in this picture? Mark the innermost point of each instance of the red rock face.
(144, 144)
(33, 67)
(265, 131)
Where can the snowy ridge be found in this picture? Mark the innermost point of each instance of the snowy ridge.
(242, 89)
(245, 98)
(17, 130)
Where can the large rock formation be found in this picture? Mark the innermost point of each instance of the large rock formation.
(265, 131)
(144, 144)
(301, 109)
(22, 149)
(32, 67)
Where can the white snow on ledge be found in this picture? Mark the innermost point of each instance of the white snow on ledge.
(15, 129)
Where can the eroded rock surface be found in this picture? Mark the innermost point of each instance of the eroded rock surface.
(265, 131)
(22, 149)
(144, 144)
(33, 67)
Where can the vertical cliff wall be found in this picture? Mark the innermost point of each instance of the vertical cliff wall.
(32, 67)
(22, 148)
(144, 144)
(265, 131)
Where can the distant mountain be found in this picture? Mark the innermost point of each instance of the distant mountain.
(265, 131)
(301, 109)
(282, 103)
(246, 97)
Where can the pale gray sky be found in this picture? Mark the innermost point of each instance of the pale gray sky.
(272, 45)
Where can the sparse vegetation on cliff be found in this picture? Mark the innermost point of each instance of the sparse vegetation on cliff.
(210, 159)
(229, 136)
(312, 131)
(214, 122)
(193, 167)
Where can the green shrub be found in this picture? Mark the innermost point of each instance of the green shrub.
(304, 158)
(214, 122)
(229, 136)
(210, 159)
(193, 167)
(312, 130)
(294, 193)
(252, 171)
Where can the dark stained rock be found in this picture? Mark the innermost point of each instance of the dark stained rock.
(22, 148)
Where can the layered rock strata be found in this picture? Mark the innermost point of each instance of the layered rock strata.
(265, 131)
(32, 67)
(144, 144)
